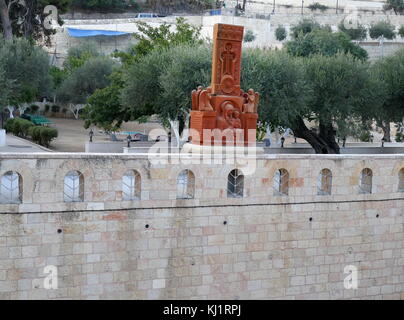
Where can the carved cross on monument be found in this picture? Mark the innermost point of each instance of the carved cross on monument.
(224, 105)
(226, 59)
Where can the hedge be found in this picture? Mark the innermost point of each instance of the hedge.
(24, 128)
(43, 135)
(18, 126)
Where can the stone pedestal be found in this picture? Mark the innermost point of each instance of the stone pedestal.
(249, 122)
(201, 120)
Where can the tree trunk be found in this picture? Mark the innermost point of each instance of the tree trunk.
(322, 142)
(244, 4)
(29, 19)
(386, 130)
(5, 20)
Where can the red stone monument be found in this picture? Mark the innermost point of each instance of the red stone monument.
(224, 105)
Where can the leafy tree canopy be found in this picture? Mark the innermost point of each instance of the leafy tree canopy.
(321, 41)
(29, 79)
(355, 33)
(382, 29)
(150, 38)
(396, 5)
(280, 33)
(86, 79)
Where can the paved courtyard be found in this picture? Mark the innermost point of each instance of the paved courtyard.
(18, 145)
(72, 136)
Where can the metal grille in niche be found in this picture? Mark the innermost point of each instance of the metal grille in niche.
(281, 182)
(74, 187)
(235, 184)
(185, 185)
(11, 188)
(131, 185)
(324, 182)
(365, 183)
(401, 180)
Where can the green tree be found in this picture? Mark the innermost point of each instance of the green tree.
(103, 107)
(382, 29)
(25, 69)
(358, 33)
(396, 5)
(171, 75)
(304, 26)
(154, 41)
(341, 89)
(78, 55)
(150, 38)
(321, 41)
(401, 31)
(280, 33)
(390, 72)
(249, 36)
(85, 80)
(279, 78)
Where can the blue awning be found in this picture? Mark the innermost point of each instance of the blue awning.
(80, 33)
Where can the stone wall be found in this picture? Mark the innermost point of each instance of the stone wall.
(261, 246)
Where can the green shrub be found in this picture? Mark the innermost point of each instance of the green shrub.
(47, 135)
(358, 33)
(18, 126)
(399, 137)
(365, 136)
(55, 108)
(35, 134)
(8, 126)
(401, 31)
(24, 127)
(280, 33)
(382, 28)
(43, 135)
(34, 108)
(305, 26)
(317, 6)
(249, 36)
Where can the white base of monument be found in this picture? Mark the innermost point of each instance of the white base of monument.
(2, 138)
(221, 150)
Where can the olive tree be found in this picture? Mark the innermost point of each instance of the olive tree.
(84, 81)
(389, 71)
(24, 73)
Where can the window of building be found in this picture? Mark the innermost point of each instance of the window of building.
(401, 180)
(324, 182)
(11, 188)
(365, 181)
(186, 185)
(281, 182)
(74, 187)
(131, 185)
(235, 184)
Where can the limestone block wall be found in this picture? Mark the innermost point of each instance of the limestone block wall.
(261, 246)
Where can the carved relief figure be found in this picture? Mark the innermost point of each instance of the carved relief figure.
(204, 100)
(228, 58)
(252, 100)
(229, 117)
(201, 99)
